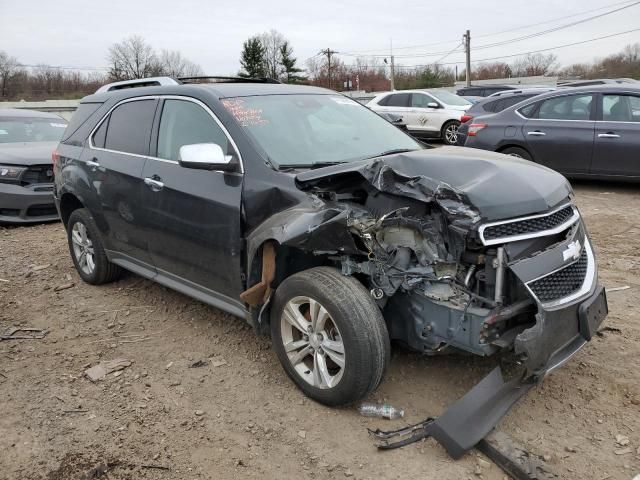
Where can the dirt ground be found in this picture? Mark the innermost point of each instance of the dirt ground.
(239, 416)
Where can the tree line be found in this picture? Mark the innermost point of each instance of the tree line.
(270, 55)
(131, 58)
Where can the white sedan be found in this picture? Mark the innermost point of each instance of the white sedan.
(427, 113)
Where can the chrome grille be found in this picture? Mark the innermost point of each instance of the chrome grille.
(528, 227)
(561, 283)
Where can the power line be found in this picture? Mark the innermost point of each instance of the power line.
(523, 27)
(555, 29)
(519, 54)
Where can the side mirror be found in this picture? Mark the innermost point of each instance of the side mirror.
(206, 156)
(433, 105)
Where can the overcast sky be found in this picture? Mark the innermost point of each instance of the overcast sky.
(210, 33)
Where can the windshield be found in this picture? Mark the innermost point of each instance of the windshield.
(24, 129)
(449, 98)
(307, 130)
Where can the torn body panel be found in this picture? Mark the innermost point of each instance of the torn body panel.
(419, 245)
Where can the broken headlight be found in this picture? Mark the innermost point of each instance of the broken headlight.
(11, 173)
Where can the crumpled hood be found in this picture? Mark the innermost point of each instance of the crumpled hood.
(495, 185)
(33, 153)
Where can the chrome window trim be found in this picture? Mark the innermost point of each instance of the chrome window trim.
(514, 238)
(589, 280)
(164, 97)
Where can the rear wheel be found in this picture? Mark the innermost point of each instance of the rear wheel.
(86, 249)
(517, 152)
(450, 132)
(329, 336)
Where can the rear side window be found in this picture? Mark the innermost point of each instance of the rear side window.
(129, 128)
(569, 107)
(81, 115)
(398, 100)
(528, 110)
(186, 123)
(101, 134)
(491, 106)
(620, 108)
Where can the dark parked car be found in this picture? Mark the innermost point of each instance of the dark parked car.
(318, 221)
(27, 140)
(493, 104)
(581, 132)
(483, 90)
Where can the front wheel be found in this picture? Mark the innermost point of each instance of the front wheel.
(450, 132)
(329, 335)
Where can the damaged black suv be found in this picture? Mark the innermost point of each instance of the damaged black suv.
(312, 217)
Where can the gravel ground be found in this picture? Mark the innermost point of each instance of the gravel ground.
(239, 416)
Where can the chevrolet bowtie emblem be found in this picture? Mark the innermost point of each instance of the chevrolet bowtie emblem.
(573, 250)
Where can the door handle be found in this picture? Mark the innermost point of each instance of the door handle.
(93, 163)
(536, 133)
(155, 185)
(608, 135)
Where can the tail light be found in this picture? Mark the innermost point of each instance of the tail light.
(465, 118)
(55, 157)
(474, 128)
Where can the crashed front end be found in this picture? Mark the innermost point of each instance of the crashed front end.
(445, 277)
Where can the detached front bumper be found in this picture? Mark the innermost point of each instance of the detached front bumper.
(473, 416)
(30, 204)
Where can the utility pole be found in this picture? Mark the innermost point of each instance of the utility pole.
(328, 52)
(393, 69)
(466, 38)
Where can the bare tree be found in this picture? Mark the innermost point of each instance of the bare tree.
(272, 42)
(534, 64)
(8, 67)
(491, 70)
(174, 64)
(132, 58)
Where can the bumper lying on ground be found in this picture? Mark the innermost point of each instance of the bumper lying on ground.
(30, 204)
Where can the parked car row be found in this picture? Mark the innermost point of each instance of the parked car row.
(591, 131)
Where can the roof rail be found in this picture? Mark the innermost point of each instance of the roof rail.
(216, 79)
(138, 82)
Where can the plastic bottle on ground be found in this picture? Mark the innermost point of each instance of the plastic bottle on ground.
(370, 409)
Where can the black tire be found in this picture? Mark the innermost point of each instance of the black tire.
(517, 152)
(359, 322)
(103, 271)
(447, 138)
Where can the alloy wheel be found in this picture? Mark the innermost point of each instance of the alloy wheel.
(83, 248)
(451, 134)
(312, 342)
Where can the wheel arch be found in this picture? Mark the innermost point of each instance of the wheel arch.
(271, 263)
(68, 203)
(502, 148)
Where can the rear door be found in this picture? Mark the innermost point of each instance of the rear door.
(617, 139)
(113, 163)
(193, 216)
(560, 132)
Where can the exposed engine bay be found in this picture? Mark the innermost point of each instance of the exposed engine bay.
(450, 269)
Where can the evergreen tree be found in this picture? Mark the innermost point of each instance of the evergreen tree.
(252, 59)
(288, 63)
